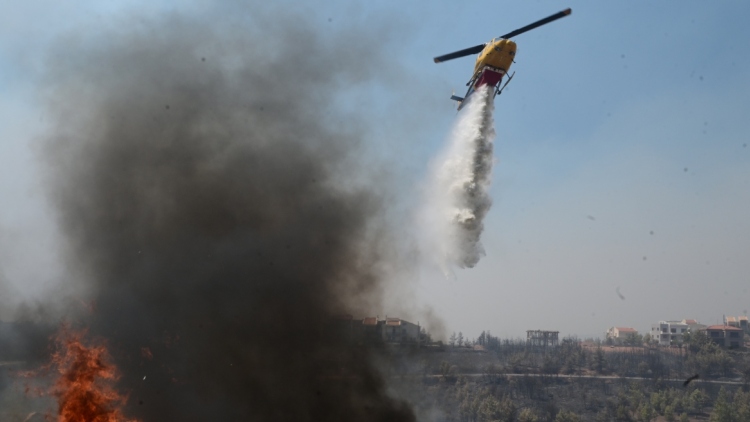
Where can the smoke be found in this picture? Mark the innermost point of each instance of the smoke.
(458, 195)
(211, 198)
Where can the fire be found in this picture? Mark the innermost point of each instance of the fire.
(84, 388)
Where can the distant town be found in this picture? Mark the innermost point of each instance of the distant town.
(731, 334)
(680, 370)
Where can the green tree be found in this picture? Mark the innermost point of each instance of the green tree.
(696, 341)
(669, 413)
(722, 411)
(493, 410)
(468, 410)
(599, 360)
(527, 415)
(602, 416)
(460, 339)
(741, 405)
(452, 339)
(646, 413)
(445, 368)
(634, 339)
(643, 369)
(622, 413)
(658, 401)
(567, 416)
(744, 369)
(698, 400)
(684, 417)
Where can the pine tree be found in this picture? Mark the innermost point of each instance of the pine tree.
(741, 405)
(722, 411)
(527, 415)
(565, 416)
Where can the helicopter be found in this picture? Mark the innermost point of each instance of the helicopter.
(495, 58)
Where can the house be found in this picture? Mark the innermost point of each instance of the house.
(667, 333)
(389, 330)
(726, 336)
(620, 334)
(737, 322)
(397, 330)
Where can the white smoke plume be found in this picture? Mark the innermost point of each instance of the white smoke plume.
(458, 191)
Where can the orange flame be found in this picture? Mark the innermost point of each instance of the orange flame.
(84, 388)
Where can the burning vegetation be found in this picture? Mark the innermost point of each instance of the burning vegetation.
(83, 380)
(84, 388)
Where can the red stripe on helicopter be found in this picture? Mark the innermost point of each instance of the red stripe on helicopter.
(489, 77)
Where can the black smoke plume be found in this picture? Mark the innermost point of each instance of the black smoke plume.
(210, 193)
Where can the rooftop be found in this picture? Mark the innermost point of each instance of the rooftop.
(723, 327)
(393, 321)
(370, 321)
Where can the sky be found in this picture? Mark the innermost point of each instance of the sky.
(621, 153)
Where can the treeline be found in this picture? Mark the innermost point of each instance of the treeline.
(585, 400)
(509, 380)
(698, 355)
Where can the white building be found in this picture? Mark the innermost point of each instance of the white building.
(668, 333)
(693, 325)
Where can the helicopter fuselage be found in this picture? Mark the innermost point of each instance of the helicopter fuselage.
(492, 64)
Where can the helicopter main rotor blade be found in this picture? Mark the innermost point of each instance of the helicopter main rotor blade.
(461, 53)
(537, 24)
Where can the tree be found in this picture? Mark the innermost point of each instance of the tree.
(445, 369)
(469, 408)
(460, 339)
(634, 339)
(646, 412)
(424, 336)
(687, 338)
(527, 415)
(491, 409)
(622, 413)
(698, 400)
(722, 411)
(696, 341)
(602, 416)
(482, 339)
(566, 416)
(452, 339)
(741, 405)
(669, 413)
(744, 369)
(599, 360)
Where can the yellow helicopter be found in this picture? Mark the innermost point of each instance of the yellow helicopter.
(495, 58)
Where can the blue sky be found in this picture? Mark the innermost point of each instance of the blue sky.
(623, 119)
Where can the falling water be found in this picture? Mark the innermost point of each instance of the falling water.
(458, 195)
